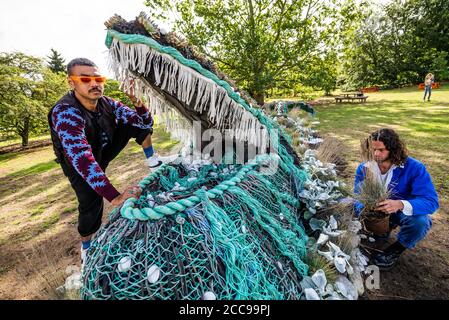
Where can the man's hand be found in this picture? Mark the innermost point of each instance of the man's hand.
(130, 192)
(390, 206)
(131, 94)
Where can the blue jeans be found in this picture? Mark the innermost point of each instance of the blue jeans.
(412, 228)
(427, 90)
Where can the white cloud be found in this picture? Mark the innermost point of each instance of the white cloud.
(73, 28)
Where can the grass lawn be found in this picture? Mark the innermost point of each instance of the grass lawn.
(38, 213)
(8, 142)
(38, 209)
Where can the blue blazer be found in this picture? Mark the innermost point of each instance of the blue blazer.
(410, 182)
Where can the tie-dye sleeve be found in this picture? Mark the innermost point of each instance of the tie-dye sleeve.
(69, 125)
(140, 118)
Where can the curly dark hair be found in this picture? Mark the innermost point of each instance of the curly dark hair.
(391, 140)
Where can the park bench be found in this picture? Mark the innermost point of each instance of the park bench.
(350, 97)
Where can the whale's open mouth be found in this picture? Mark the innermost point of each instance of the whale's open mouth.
(184, 89)
(201, 230)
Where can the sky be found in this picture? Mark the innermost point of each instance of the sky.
(73, 28)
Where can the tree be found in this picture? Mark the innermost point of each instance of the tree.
(112, 89)
(398, 44)
(28, 90)
(257, 43)
(323, 73)
(440, 66)
(431, 20)
(56, 62)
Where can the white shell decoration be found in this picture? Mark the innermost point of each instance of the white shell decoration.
(73, 282)
(153, 274)
(349, 268)
(319, 278)
(355, 226)
(333, 223)
(340, 264)
(244, 229)
(322, 239)
(361, 258)
(371, 239)
(124, 264)
(328, 255)
(208, 295)
(311, 294)
(346, 288)
(335, 233)
(329, 289)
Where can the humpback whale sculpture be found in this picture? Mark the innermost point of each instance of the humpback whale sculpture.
(201, 229)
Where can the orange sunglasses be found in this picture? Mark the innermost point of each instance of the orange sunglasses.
(88, 79)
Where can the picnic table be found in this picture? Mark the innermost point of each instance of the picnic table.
(351, 96)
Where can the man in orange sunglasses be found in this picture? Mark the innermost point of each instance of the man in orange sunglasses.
(88, 131)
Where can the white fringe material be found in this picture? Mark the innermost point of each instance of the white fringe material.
(221, 110)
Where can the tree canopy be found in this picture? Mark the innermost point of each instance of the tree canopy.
(56, 62)
(263, 43)
(28, 89)
(398, 44)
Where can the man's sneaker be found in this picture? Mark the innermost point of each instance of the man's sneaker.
(153, 162)
(388, 258)
(385, 261)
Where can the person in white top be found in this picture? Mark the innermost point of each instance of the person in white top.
(428, 81)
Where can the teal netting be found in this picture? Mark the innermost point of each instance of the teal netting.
(214, 231)
(204, 231)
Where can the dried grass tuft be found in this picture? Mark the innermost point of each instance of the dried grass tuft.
(315, 261)
(371, 192)
(41, 273)
(332, 150)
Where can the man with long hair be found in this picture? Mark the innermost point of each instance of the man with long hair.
(413, 197)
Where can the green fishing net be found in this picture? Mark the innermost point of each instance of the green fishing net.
(204, 232)
(200, 230)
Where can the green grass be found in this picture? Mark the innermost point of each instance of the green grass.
(424, 126)
(36, 169)
(37, 212)
(8, 142)
(161, 142)
(43, 226)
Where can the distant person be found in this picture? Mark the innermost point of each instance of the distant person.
(88, 131)
(428, 81)
(413, 198)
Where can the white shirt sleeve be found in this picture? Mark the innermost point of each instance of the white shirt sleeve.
(408, 209)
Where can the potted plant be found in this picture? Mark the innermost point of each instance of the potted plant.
(371, 193)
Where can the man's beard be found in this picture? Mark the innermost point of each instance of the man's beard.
(380, 161)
